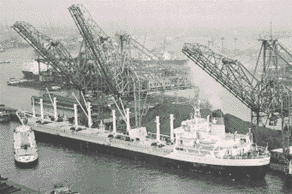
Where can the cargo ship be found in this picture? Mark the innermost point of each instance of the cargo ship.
(198, 145)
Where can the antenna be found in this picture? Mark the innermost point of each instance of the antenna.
(222, 44)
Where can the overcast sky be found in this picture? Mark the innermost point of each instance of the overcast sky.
(163, 17)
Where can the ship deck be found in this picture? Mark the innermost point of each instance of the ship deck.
(99, 136)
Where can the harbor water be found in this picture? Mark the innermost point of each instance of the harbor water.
(89, 172)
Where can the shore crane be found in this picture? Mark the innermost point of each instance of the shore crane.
(268, 96)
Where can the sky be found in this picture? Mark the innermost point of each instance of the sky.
(153, 16)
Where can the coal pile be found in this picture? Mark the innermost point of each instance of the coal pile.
(180, 112)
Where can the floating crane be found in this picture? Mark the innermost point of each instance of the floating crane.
(268, 97)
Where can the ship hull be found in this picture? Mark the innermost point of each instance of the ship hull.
(29, 164)
(234, 172)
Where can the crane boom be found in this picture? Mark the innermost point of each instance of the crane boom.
(53, 52)
(144, 50)
(100, 46)
(231, 74)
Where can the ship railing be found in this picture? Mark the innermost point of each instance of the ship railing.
(140, 145)
(255, 153)
(194, 151)
(154, 135)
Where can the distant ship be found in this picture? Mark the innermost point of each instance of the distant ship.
(3, 62)
(31, 72)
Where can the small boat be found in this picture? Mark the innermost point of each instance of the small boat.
(3, 62)
(62, 188)
(25, 149)
(4, 114)
(55, 88)
(12, 81)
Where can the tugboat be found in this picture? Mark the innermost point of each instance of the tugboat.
(4, 114)
(25, 149)
(12, 81)
(3, 62)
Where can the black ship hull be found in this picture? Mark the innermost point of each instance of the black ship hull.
(234, 172)
(26, 165)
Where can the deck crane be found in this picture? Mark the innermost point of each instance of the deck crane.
(267, 95)
(54, 53)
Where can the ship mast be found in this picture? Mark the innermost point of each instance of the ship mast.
(197, 113)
